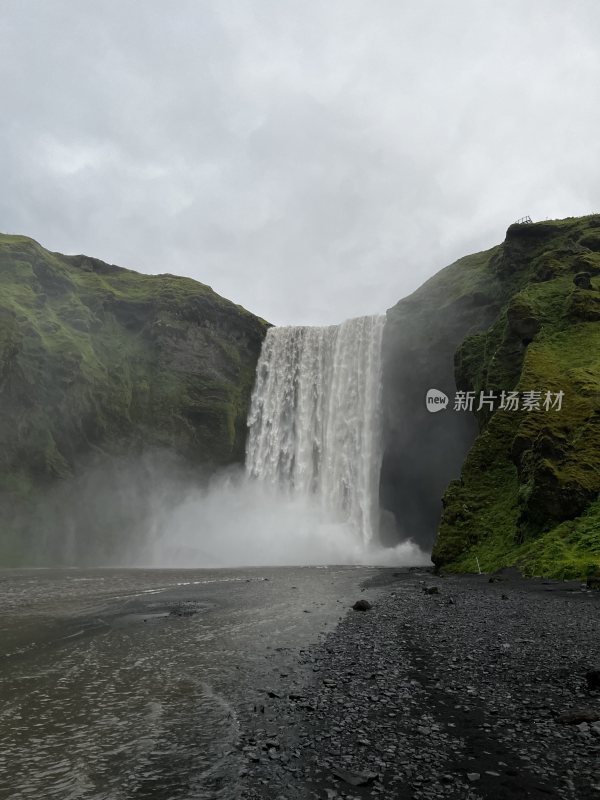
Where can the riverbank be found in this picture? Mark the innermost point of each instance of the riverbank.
(457, 693)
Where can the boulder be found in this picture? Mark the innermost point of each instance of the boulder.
(582, 280)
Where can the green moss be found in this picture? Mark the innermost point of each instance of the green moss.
(529, 486)
(96, 358)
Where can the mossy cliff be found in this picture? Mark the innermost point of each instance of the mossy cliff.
(529, 487)
(96, 359)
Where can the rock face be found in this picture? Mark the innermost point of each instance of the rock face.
(424, 451)
(521, 317)
(99, 360)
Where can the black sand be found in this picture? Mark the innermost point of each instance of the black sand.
(450, 695)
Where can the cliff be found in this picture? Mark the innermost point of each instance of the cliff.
(523, 317)
(424, 451)
(99, 361)
(114, 384)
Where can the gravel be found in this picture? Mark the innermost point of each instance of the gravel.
(476, 691)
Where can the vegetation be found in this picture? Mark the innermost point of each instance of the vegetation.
(99, 359)
(528, 491)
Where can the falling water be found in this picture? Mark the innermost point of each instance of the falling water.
(315, 417)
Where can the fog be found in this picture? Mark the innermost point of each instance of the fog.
(236, 521)
(154, 511)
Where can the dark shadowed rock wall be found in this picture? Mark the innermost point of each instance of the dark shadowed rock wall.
(424, 451)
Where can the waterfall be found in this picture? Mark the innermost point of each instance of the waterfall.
(315, 419)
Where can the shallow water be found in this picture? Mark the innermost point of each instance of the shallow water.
(122, 684)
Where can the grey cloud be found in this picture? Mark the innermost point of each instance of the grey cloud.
(311, 161)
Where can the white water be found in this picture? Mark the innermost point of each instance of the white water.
(309, 493)
(315, 422)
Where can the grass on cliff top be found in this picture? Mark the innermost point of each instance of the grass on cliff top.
(461, 279)
(91, 276)
(475, 273)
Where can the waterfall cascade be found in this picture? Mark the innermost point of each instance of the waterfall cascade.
(315, 420)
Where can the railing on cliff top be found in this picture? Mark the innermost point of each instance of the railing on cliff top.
(524, 221)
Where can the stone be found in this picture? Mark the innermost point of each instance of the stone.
(362, 605)
(354, 778)
(582, 280)
(593, 679)
(578, 715)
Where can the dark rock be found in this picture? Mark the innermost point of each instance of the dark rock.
(431, 590)
(271, 744)
(421, 335)
(579, 715)
(362, 605)
(593, 678)
(583, 280)
(354, 778)
(521, 321)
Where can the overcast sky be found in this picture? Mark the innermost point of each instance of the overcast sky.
(310, 160)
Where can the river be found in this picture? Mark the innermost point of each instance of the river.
(120, 684)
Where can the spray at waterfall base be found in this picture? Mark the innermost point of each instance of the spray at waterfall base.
(239, 521)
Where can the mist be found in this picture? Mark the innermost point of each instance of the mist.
(156, 511)
(237, 521)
